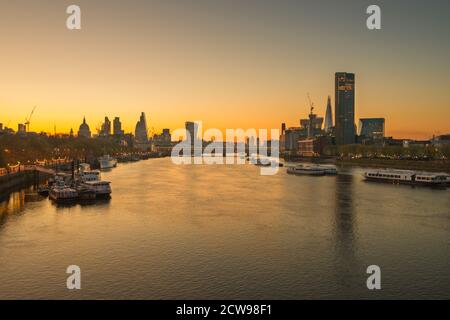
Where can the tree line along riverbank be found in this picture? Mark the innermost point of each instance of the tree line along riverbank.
(30, 148)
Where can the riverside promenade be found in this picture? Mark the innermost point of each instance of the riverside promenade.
(22, 176)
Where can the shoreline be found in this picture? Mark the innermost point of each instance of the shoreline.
(18, 181)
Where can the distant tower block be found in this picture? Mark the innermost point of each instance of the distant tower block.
(344, 108)
(141, 131)
(328, 116)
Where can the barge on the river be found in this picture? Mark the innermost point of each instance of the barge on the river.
(407, 177)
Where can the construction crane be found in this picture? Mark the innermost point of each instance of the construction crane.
(311, 105)
(28, 120)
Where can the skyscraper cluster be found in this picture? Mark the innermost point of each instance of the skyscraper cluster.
(114, 130)
(342, 132)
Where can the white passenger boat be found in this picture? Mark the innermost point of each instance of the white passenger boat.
(312, 169)
(328, 168)
(92, 180)
(102, 188)
(86, 174)
(107, 162)
(407, 177)
(265, 161)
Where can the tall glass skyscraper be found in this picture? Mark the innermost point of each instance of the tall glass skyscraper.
(328, 116)
(371, 128)
(141, 130)
(344, 108)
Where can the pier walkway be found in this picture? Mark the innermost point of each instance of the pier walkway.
(39, 169)
(22, 175)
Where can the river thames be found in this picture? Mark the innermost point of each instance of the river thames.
(226, 232)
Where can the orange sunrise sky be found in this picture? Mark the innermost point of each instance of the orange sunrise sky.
(230, 64)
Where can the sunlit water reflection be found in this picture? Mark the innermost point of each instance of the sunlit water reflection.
(227, 232)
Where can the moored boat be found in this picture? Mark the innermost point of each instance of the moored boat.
(107, 162)
(86, 174)
(407, 177)
(102, 188)
(313, 169)
(302, 169)
(43, 191)
(85, 192)
(329, 169)
(264, 161)
(135, 157)
(60, 192)
(91, 180)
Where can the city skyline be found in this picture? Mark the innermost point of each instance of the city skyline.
(204, 61)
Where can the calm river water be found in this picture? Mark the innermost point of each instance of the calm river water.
(226, 232)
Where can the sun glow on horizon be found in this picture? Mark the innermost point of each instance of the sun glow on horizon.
(246, 69)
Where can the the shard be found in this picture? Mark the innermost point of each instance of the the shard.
(328, 117)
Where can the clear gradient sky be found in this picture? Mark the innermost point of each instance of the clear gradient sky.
(247, 63)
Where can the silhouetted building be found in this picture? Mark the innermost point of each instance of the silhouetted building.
(105, 131)
(289, 140)
(162, 142)
(192, 129)
(390, 141)
(344, 108)
(117, 127)
(141, 130)
(415, 143)
(328, 117)
(165, 138)
(5, 130)
(312, 126)
(141, 134)
(442, 140)
(21, 128)
(128, 139)
(84, 130)
(371, 128)
(313, 147)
